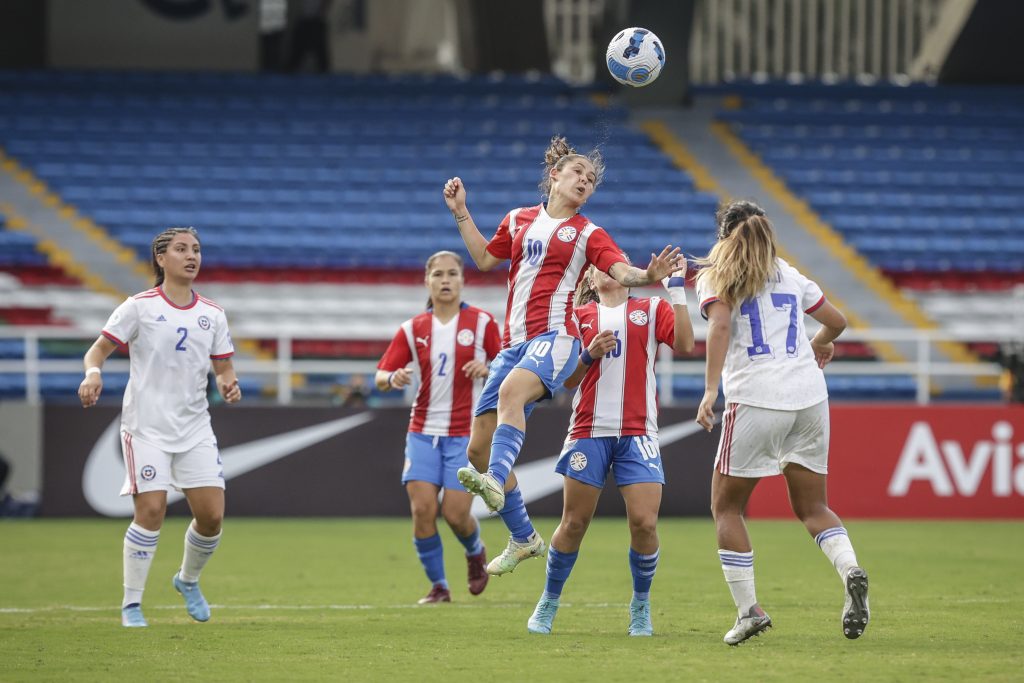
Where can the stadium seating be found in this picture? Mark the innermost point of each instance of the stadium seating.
(925, 182)
(313, 180)
(327, 173)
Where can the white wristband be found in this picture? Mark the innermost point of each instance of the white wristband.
(675, 285)
(93, 371)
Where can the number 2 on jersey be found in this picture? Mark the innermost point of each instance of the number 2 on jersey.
(180, 346)
(760, 348)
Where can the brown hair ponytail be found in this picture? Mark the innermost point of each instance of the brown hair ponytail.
(743, 260)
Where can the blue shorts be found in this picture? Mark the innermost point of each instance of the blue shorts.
(435, 459)
(551, 356)
(632, 459)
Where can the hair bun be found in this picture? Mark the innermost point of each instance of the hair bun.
(558, 148)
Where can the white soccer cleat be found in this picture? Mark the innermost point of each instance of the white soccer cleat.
(483, 485)
(516, 552)
(748, 626)
(855, 610)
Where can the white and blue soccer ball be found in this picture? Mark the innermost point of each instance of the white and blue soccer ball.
(635, 57)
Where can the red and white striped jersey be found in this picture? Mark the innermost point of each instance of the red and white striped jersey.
(445, 400)
(549, 256)
(619, 394)
(170, 350)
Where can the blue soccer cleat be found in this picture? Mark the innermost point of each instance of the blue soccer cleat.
(195, 603)
(640, 618)
(543, 615)
(131, 616)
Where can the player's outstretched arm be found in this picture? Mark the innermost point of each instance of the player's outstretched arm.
(92, 385)
(661, 266)
(455, 199)
(719, 315)
(227, 380)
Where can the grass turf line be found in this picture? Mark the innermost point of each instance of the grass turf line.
(312, 599)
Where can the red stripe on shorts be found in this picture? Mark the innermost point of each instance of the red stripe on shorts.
(730, 421)
(129, 454)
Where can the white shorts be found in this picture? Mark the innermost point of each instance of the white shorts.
(147, 468)
(759, 442)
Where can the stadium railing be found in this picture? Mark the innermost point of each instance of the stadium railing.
(277, 373)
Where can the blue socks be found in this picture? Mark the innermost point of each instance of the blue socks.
(432, 558)
(559, 567)
(505, 446)
(515, 517)
(642, 567)
(472, 542)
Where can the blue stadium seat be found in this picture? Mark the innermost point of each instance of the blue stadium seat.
(897, 170)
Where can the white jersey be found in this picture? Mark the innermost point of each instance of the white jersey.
(170, 348)
(769, 363)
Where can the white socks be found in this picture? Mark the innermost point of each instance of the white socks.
(835, 543)
(198, 550)
(739, 574)
(139, 549)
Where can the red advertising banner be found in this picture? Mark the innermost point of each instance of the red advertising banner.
(907, 461)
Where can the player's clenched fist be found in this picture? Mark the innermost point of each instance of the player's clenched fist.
(89, 390)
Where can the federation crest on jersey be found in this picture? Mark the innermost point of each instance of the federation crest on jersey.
(465, 337)
(638, 318)
(148, 472)
(204, 322)
(566, 233)
(578, 461)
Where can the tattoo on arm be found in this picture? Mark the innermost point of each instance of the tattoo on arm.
(462, 219)
(634, 277)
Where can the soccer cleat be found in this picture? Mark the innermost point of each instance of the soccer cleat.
(543, 615)
(640, 618)
(855, 610)
(750, 625)
(437, 594)
(131, 616)
(483, 485)
(516, 552)
(195, 603)
(476, 569)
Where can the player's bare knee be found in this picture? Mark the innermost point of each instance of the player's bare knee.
(461, 524)
(150, 516)
(478, 456)
(510, 400)
(423, 509)
(574, 527)
(807, 510)
(643, 528)
(209, 524)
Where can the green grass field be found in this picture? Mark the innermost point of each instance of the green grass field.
(334, 599)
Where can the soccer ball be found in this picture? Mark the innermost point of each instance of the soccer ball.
(635, 57)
